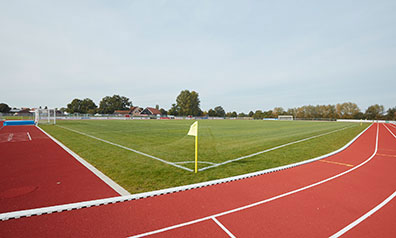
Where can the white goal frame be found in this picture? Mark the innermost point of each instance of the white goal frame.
(45, 116)
(285, 117)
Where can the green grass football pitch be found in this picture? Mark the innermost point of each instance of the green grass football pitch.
(220, 143)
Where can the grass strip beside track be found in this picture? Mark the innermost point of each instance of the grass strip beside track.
(139, 174)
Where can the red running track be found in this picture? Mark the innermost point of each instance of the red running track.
(35, 172)
(298, 206)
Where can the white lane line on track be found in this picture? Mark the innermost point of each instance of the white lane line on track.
(223, 227)
(389, 131)
(98, 202)
(115, 186)
(364, 217)
(371, 212)
(127, 148)
(30, 138)
(266, 200)
(271, 149)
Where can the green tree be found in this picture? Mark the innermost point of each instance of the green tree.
(391, 114)
(251, 113)
(242, 114)
(258, 115)
(374, 112)
(219, 111)
(109, 104)
(4, 108)
(211, 113)
(266, 114)
(81, 106)
(278, 111)
(188, 103)
(347, 110)
(74, 106)
(234, 114)
(163, 111)
(88, 106)
(174, 110)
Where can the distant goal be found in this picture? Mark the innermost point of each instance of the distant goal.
(45, 116)
(285, 118)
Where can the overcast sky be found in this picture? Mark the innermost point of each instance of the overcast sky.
(242, 55)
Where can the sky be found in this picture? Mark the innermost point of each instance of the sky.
(242, 55)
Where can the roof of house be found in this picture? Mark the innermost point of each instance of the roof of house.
(121, 111)
(154, 110)
(134, 108)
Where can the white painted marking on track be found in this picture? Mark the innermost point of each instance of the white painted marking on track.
(10, 137)
(130, 149)
(30, 138)
(223, 227)
(271, 149)
(116, 187)
(78, 205)
(389, 131)
(266, 200)
(364, 217)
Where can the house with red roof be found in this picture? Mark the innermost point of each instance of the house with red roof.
(134, 111)
(149, 111)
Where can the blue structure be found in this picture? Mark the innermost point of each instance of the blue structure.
(18, 123)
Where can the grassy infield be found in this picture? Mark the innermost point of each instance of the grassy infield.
(218, 141)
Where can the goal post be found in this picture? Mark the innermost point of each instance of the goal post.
(285, 117)
(45, 116)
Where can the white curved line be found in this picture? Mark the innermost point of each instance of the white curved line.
(78, 205)
(263, 201)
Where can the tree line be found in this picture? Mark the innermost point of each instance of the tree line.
(108, 105)
(188, 104)
(347, 110)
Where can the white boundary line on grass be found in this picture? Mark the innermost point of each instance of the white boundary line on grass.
(79, 205)
(190, 162)
(271, 149)
(127, 148)
(94, 170)
(262, 201)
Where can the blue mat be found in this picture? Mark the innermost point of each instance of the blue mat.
(18, 123)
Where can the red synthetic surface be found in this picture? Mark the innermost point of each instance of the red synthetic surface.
(37, 173)
(316, 212)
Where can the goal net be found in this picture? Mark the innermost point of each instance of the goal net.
(285, 117)
(45, 116)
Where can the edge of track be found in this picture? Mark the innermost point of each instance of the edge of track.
(98, 202)
(116, 187)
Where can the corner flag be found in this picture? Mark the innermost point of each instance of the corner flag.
(194, 132)
(193, 129)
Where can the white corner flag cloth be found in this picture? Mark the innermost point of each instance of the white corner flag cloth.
(193, 129)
